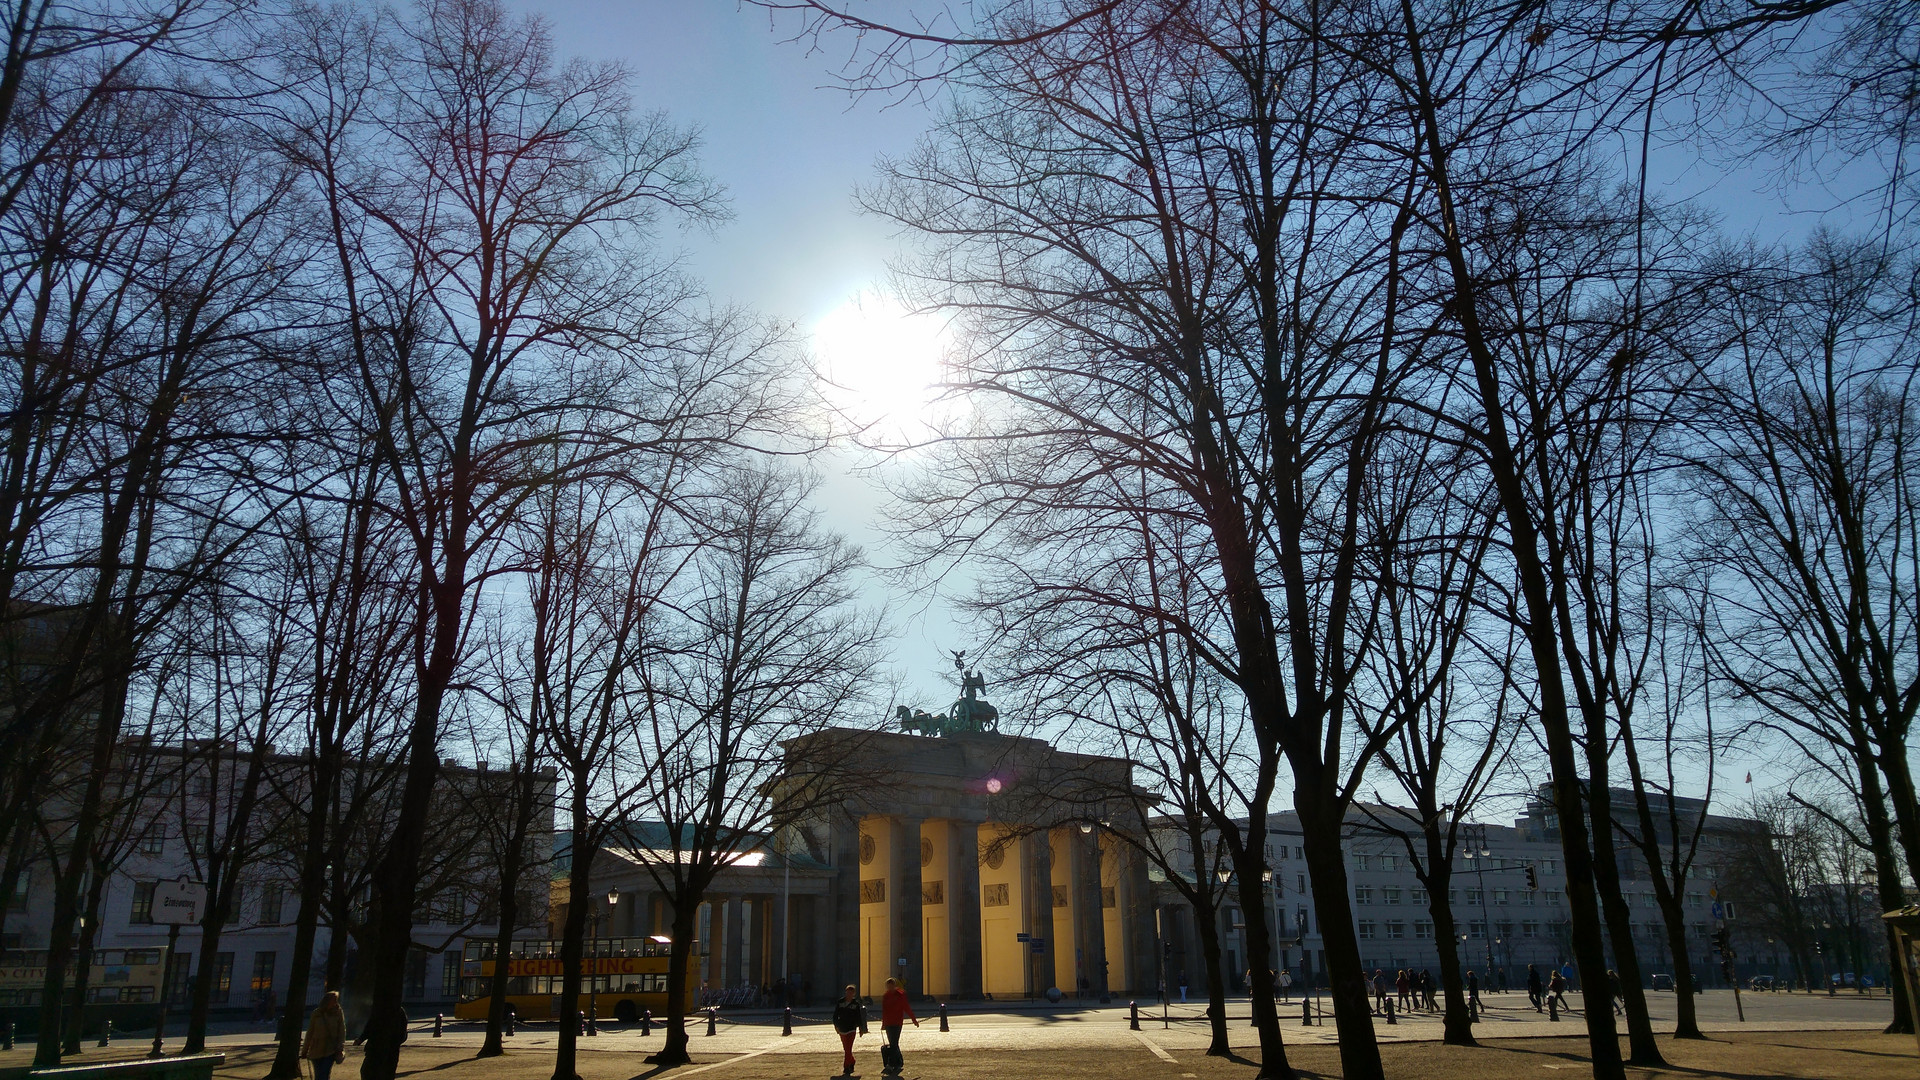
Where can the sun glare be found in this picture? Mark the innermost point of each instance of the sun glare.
(879, 362)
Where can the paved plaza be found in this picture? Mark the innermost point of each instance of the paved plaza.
(1097, 1041)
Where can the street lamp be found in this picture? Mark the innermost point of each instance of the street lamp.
(593, 960)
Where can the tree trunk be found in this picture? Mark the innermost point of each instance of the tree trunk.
(306, 932)
(212, 922)
(1643, 1047)
(1259, 937)
(1207, 923)
(686, 906)
(1320, 827)
(509, 914)
(1686, 1024)
(83, 973)
(573, 939)
(397, 876)
(1457, 1022)
(1887, 869)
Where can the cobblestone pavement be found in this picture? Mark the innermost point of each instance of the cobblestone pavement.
(1182, 1033)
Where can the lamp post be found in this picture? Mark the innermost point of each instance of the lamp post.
(593, 959)
(1480, 872)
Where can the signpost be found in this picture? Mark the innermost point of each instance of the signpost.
(175, 904)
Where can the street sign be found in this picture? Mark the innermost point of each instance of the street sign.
(1719, 912)
(1023, 936)
(1039, 945)
(1713, 892)
(178, 903)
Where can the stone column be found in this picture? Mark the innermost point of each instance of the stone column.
(963, 909)
(1090, 931)
(757, 945)
(903, 905)
(1144, 956)
(735, 942)
(782, 946)
(1038, 890)
(843, 904)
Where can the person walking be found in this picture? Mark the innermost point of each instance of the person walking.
(894, 1010)
(1534, 990)
(849, 1019)
(1427, 988)
(1403, 989)
(1286, 982)
(1473, 991)
(1613, 992)
(1557, 988)
(326, 1041)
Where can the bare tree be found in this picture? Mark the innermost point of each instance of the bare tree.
(757, 645)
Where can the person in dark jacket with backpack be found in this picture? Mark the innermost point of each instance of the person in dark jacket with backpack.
(849, 1019)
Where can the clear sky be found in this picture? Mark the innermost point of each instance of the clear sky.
(790, 149)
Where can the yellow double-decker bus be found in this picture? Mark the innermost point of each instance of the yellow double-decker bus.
(123, 985)
(620, 977)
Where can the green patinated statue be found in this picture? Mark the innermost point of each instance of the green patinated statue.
(967, 716)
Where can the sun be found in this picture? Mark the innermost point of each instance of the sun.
(878, 363)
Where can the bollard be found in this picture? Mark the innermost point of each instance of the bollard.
(1133, 1022)
(646, 1023)
(593, 1022)
(786, 1021)
(580, 1022)
(106, 1034)
(1390, 1018)
(944, 1027)
(1306, 1011)
(1553, 1008)
(1473, 1011)
(437, 1019)
(713, 1020)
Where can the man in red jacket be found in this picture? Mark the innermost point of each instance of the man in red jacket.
(894, 1009)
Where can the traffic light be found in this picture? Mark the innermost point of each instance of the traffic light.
(1723, 939)
(1533, 879)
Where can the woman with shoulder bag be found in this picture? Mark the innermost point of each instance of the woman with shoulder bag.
(326, 1041)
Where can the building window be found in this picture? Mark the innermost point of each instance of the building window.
(272, 899)
(1473, 896)
(416, 984)
(1529, 929)
(1505, 930)
(237, 913)
(1390, 895)
(153, 841)
(1299, 853)
(222, 977)
(1550, 865)
(1556, 897)
(1396, 928)
(1526, 897)
(263, 963)
(1300, 881)
(142, 903)
(1363, 894)
(1477, 929)
(1367, 930)
(179, 977)
(1499, 896)
(1416, 896)
(1423, 929)
(450, 974)
(1388, 862)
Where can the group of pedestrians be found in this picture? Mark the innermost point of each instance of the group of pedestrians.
(1409, 991)
(1555, 987)
(850, 1022)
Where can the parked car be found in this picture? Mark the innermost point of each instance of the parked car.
(1663, 982)
(1760, 982)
